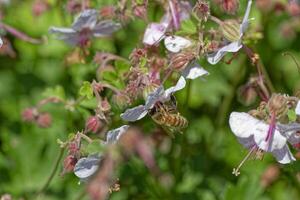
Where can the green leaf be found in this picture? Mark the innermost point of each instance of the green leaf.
(292, 115)
(86, 90)
(188, 27)
(94, 147)
(57, 91)
(121, 66)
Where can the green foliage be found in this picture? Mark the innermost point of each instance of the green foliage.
(86, 90)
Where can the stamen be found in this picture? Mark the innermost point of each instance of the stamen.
(271, 130)
(236, 171)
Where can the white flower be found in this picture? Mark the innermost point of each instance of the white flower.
(1, 42)
(193, 70)
(114, 135)
(86, 167)
(253, 132)
(235, 46)
(155, 32)
(297, 110)
(159, 95)
(176, 43)
(85, 27)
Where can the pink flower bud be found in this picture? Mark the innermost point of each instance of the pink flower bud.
(39, 7)
(44, 120)
(69, 163)
(73, 148)
(105, 105)
(29, 114)
(93, 124)
(230, 6)
(293, 8)
(121, 100)
(108, 11)
(140, 11)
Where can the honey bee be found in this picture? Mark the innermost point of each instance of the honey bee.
(167, 116)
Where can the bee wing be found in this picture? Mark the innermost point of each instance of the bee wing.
(114, 135)
(134, 114)
(176, 43)
(194, 70)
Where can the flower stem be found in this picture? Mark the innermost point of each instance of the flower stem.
(52, 175)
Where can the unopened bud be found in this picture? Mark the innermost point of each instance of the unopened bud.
(105, 106)
(202, 9)
(231, 30)
(44, 120)
(29, 114)
(247, 95)
(149, 89)
(181, 60)
(230, 6)
(69, 163)
(278, 104)
(93, 124)
(121, 100)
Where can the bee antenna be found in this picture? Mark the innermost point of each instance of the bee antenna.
(293, 57)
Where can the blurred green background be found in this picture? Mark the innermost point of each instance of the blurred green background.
(198, 163)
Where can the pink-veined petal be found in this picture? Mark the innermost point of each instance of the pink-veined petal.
(154, 33)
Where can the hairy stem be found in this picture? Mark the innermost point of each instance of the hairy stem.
(52, 175)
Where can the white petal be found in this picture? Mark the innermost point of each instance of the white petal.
(176, 43)
(278, 141)
(86, 167)
(154, 33)
(283, 155)
(194, 70)
(105, 28)
(113, 136)
(1, 42)
(297, 110)
(245, 21)
(86, 19)
(134, 114)
(214, 58)
(179, 86)
(241, 124)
